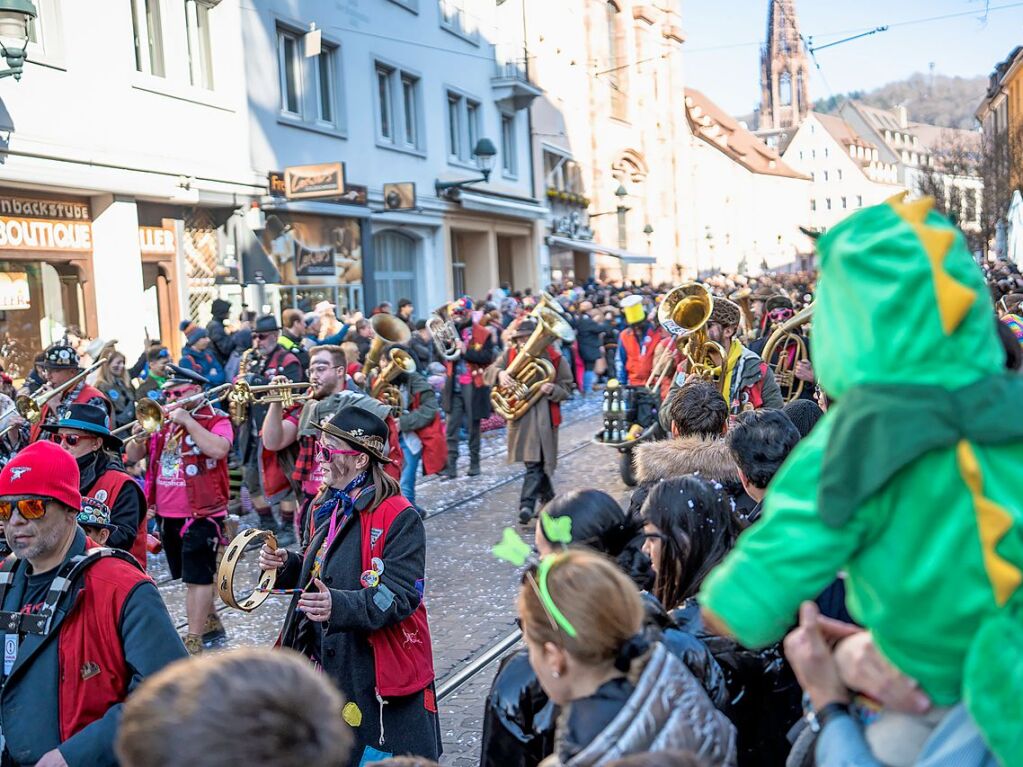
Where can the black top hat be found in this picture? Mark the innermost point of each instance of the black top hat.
(181, 376)
(525, 328)
(267, 323)
(87, 418)
(361, 429)
(61, 356)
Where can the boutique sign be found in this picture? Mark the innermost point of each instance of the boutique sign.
(44, 225)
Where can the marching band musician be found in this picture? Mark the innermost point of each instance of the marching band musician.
(187, 484)
(266, 359)
(61, 365)
(466, 395)
(82, 431)
(777, 310)
(533, 437)
(361, 615)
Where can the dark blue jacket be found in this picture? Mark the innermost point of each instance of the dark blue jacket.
(28, 700)
(203, 363)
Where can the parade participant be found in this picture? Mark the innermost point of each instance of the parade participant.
(914, 425)
(361, 616)
(157, 359)
(83, 432)
(533, 437)
(94, 519)
(114, 382)
(760, 442)
(777, 311)
(221, 344)
(422, 432)
(61, 365)
(187, 485)
(582, 622)
(466, 397)
(197, 355)
(90, 624)
(637, 344)
(246, 706)
(422, 347)
(261, 364)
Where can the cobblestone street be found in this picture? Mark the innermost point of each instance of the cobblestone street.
(470, 594)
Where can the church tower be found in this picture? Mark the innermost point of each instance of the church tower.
(784, 70)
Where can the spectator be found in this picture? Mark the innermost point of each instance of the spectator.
(113, 381)
(363, 337)
(660, 759)
(221, 344)
(422, 346)
(406, 309)
(293, 330)
(591, 336)
(760, 442)
(803, 413)
(156, 373)
(197, 357)
(246, 706)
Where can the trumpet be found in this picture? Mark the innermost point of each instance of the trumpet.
(31, 407)
(383, 387)
(151, 416)
(243, 395)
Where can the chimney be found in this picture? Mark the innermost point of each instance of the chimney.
(900, 110)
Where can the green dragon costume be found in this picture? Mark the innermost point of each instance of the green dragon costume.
(912, 483)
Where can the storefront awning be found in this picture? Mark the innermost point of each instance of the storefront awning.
(588, 246)
(519, 207)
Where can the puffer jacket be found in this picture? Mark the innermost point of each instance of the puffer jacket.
(667, 710)
(667, 459)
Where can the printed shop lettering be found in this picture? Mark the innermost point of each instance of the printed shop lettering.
(28, 234)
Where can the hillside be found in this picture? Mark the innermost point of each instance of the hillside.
(941, 100)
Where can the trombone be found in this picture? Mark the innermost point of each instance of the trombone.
(151, 415)
(30, 407)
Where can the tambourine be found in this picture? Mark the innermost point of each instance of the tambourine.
(229, 564)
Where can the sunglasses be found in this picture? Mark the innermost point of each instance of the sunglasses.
(176, 394)
(29, 508)
(71, 440)
(780, 315)
(326, 454)
(261, 336)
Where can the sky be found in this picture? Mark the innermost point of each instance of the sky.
(723, 38)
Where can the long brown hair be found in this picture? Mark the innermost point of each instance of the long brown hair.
(105, 377)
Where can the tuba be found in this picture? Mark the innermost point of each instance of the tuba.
(445, 334)
(684, 313)
(383, 387)
(31, 407)
(389, 331)
(791, 349)
(742, 297)
(529, 369)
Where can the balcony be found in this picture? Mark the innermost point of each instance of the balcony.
(512, 89)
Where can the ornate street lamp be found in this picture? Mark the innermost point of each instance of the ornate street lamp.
(15, 16)
(484, 152)
(621, 193)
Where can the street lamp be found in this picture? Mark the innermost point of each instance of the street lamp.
(621, 193)
(15, 16)
(484, 152)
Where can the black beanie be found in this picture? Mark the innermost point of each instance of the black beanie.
(803, 413)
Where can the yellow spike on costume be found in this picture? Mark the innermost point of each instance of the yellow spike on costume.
(993, 522)
(915, 211)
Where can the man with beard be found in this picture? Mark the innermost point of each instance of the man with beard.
(82, 432)
(466, 395)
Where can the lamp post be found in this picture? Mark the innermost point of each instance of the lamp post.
(648, 230)
(484, 152)
(15, 16)
(621, 193)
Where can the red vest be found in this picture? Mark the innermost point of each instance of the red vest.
(110, 483)
(435, 447)
(479, 337)
(555, 359)
(89, 635)
(87, 393)
(639, 359)
(402, 653)
(206, 484)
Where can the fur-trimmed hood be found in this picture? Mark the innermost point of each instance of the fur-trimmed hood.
(655, 461)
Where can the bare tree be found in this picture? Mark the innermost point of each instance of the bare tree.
(953, 159)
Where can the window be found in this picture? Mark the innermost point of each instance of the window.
(326, 84)
(839, 174)
(813, 154)
(859, 201)
(827, 203)
(800, 154)
(813, 176)
(200, 54)
(813, 205)
(290, 71)
(463, 126)
(456, 16)
(825, 175)
(826, 151)
(145, 22)
(844, 204)
(509, 158)
(399, 118)
(395, 272)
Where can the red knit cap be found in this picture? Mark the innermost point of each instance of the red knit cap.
(43, 468)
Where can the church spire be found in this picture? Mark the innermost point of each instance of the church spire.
(784, 71)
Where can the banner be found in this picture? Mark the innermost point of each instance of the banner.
(14, 293)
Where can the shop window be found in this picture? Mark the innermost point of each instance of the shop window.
(395, 272)
(200, 53)
(148, 32)
(399, 110)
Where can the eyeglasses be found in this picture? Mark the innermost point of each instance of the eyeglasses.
(780, 315)
(261, 336)
(29, 508)
(326, 454)
(320, 368)
(175, 394)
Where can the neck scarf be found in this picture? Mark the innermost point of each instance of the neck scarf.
(341, 500)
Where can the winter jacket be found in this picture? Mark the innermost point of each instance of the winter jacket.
(423, 350)
(671, 458)
(204, 363)
(591, 336)
(221, 342)
(478, 356)
(127, 509)
(666, 710)
(294, 345)
(122, 400)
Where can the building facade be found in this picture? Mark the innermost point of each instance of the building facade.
(128, 127)
(609, 146)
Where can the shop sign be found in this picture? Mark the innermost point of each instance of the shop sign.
(275, 183)
(156, 240)
(37, 224)
(354, 195)
(311, 181)
(14, 291)
(313, 262)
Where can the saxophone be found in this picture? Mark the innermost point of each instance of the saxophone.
(237, 404)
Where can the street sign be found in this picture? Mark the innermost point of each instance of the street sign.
(400, 196)
(311, 181)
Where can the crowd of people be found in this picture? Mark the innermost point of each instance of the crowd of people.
(769, 593)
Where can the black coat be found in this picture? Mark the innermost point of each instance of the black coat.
(483, 356)
(341, 645)
(221, 342)
(128, 511)
(590, 335)
(423, 350)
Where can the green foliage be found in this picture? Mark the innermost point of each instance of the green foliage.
(939, 100)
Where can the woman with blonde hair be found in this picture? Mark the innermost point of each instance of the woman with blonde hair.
(360, 615)
(114, 382)
(582, 621)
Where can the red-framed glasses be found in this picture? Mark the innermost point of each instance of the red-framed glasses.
(326, 454)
